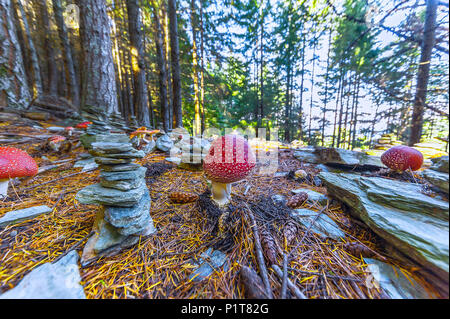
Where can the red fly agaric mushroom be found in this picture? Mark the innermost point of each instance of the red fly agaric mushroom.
(69, 130)
(229, 160)
(14, 163)
(83, 125)
(54, 142)
(401, 157)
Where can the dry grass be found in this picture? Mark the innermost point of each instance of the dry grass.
(160, 266)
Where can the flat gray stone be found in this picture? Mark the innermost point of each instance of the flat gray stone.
(438, 179)
(413, 223)
(17, 216)
(106, 160)
(122, 217)
(60, 280)
(120, 167)
(55, 129)
(149, 147)
(123, 185)
(337, 156)
(306, 155)
(97, 194)
(324, 225)
(280, 174)
(87, 164)
(313, 196)
(164, 143)
(126, 175)
(208, 262)
(393, 282)
(108, 147)
(108, 237)
(87, 139)
(440, 164)
(125, 155)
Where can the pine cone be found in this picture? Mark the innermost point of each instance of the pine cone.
(357, 249)
(182, 197)
(268, 246)
(297, 200)
(290, 231)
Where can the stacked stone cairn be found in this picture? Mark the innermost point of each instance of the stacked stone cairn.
(189, 152)
(117, 122)
(386, 142)
(122, 192)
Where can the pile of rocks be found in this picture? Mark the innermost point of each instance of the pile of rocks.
(122, 191)
(117, 122)
(386, 142)
(189, 152)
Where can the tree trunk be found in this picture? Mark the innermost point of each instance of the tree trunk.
(300, 112)
(52, 71)
(175, 63)
(138, 63)
(71, 79)
(197, 118)
(35, 75)
(202, 67)
(326, 90)
(261, 64)
(13, 84)
(337, 105)
(162, 70)
(99, 87)
(312, 92)
(424, 72)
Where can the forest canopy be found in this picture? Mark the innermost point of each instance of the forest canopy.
(326, 72)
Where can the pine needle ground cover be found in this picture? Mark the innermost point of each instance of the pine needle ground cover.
(160, 266)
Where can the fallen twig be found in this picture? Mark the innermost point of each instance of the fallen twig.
(55, 180)
(259, 254)
(295, 290)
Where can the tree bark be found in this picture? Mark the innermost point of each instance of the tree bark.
(162, 70)
(71, 79)
(197, 117)
(52, 71)
(31, 53)
(202, 68)
(326, 90)
(175, 63)
(423, 72)
(99, 87)
(13, 84)
(138, 64)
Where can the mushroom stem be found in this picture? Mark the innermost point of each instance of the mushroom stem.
(3, 187)
(221, 193)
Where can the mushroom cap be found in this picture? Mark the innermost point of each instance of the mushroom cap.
(229, 159)
(68, 128)
(16, 163)
(56, 138)
(142, 131)
(83, 124)
(402, 157)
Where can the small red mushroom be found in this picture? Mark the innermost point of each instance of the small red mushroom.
(83, 125)
(69, 130)
(401, 157)
(14, 163)
(54, 142)
(229, 160)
